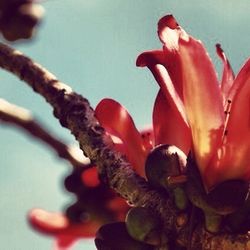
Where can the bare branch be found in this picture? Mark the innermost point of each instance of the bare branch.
(22, 118)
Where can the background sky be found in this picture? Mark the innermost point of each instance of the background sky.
(92, 46)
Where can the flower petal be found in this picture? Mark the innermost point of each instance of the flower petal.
(57, 224)
(156, 62)
(48, 223)
(165, 65)
(233, 159)
(169, 60)
(117, 121)
(169, 33)
(202, 99)
(168, 127)
(240, 80)
(227, 76)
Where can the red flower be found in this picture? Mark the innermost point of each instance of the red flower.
(192, 109)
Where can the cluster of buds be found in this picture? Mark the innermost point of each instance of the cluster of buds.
(19, 18)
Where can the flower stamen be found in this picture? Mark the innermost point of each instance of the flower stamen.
(227, 113)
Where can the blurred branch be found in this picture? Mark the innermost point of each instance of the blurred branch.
(23, 119)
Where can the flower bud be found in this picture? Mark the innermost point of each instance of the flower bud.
(164, 164)
(114, 236)
(143, 225)
(165, 168)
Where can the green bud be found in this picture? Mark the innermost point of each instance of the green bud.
(143, 225)
(114, 236)
(212, 222)
(180, 198)
(163, 166)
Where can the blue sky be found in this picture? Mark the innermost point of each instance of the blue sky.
(92, 46)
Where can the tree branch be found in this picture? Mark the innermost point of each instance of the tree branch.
(22, 118)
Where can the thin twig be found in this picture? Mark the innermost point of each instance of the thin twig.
(22, 118)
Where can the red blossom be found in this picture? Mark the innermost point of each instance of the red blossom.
(193, 109)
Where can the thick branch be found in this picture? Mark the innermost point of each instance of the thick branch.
(23, 119)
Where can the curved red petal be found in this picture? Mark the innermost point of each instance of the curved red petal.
(168, 127)
(168, 89)
(202, 99)
(46, 222)
(169, 32)
(227, 75)
(117, 121)
(165, 65)
(57, 224)
(151, 58)
(158, 64)
(170, 61)
(232, 161)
